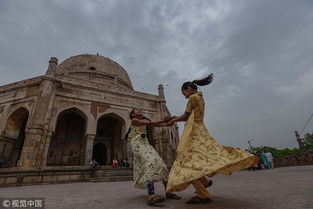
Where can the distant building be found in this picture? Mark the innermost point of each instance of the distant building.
(77, 111)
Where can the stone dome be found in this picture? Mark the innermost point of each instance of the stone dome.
(95, 68)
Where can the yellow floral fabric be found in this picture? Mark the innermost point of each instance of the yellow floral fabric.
(148, 166)
(199, 155)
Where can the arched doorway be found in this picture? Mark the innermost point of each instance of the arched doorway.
(100, 153)
(13, 137)
(109, 133)
(67, 144)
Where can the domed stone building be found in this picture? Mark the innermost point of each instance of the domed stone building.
(77, 111)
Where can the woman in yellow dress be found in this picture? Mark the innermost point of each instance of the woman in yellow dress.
(198, 154)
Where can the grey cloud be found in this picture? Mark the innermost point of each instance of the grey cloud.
(259, 51)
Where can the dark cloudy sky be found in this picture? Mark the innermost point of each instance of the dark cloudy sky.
(261, 53)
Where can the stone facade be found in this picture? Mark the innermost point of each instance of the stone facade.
(78, 110)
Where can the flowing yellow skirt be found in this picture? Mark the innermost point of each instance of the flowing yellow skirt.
(199, 155)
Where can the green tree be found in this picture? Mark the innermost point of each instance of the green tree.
(308, 145)
(258, 150)
(308, 139)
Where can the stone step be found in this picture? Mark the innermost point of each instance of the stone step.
(110, 175)
(53, 176)
(113, 178)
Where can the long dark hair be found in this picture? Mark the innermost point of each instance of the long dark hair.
(195, 83)
(131, 114)
(132, 117)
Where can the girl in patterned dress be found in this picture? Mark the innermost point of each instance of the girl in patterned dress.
(198, 154)
(147, 164)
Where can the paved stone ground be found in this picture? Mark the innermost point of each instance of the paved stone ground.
(280, 188)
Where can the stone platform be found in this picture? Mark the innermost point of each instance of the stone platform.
(69, 174)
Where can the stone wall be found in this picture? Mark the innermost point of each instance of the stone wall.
(305, 158)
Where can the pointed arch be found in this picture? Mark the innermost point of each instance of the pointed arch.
(68, 141)
(109, 133)
(13, 137)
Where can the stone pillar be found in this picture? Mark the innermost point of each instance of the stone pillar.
(157, 139)
(30, 148)
(36, 133)
(166, 152)
(90, 138)
(161, 91)
(164, 144)
(53, 62)
(43, 161)
(4, 111)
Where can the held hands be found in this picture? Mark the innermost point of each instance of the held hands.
(168, 120)
(169, 123)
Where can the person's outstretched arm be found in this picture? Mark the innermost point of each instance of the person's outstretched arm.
(146, 122)
(192, 103)
(183, 117)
